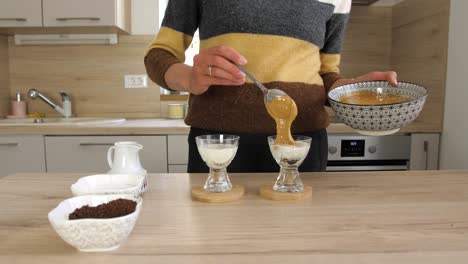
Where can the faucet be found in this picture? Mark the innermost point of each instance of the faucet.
(66, 111)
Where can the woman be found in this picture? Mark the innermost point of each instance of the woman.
(293, 45)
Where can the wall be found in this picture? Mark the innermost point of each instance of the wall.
(162, 4)
(367, 43)
(92, 74)
(454, 147)
(368, 39)
(419, 52)
(4, 89)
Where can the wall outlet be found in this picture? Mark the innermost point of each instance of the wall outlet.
(136, 81)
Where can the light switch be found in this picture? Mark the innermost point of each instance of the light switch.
(136, 81)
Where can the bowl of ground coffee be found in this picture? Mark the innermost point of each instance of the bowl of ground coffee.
(94, 223)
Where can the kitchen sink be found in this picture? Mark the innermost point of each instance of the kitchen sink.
(61, 121)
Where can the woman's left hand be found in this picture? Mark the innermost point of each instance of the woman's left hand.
(389, 76)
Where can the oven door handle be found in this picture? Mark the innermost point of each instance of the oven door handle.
(367, 168)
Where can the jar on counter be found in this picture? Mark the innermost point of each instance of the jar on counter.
(176, 111)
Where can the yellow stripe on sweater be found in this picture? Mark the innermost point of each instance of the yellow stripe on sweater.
(271, 58)
(173, 41)
(274, 58)
(330, 63)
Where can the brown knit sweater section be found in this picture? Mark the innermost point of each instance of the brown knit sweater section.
(240, 109)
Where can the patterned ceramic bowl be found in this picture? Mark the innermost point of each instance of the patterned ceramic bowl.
(378, 119)
(93, 235)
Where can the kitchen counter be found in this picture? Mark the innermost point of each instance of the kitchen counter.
(375, 217)
(155, 127)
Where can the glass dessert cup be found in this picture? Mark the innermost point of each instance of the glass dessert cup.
(217, 151)
(289, 158)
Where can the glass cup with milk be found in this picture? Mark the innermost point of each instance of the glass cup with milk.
(289, 157)
(217, 151)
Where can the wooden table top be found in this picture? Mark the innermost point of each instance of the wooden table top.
(372, 217)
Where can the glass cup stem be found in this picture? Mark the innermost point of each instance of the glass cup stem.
(218, 181)
(288, 180)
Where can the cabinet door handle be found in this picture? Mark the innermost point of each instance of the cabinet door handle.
(9, 144)
(95, 144)
(17, 19)
(64, 19)
(426, 152)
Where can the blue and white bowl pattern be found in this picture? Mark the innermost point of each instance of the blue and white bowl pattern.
(378, 117)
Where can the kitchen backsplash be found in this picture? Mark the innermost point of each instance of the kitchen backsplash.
(93, 75)
(404, 38)
(419, 52)
(368, 40)
(4, 89)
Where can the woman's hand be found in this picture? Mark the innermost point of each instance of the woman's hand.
(389, 76)
(216, 66)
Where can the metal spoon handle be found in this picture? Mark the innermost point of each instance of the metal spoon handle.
(257, 82)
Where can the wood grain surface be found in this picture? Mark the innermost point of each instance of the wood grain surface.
(266, 191)
(361, 217)
(368, 41)
(419, 51)
(4, 78)
(236, 193)
(92, 74)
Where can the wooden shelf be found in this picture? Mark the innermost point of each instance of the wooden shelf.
(174, 97)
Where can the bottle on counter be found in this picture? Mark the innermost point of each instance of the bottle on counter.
(67, 104)
(18, 107)
(176, 111)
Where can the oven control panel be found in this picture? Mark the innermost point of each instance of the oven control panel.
(352, 148)
(356, 147)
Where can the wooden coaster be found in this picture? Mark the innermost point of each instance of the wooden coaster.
(199, 194)
(267, 192)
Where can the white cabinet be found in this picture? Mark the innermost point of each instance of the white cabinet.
(40, 16)
(145, 17)
(21, 154)
(177, 147)
(20, 13)
(424, 152)
(66, 13)
(178, 168)
(88, 154)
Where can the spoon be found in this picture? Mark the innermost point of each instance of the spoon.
(268, 95)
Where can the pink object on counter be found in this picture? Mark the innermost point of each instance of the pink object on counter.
(14, 117)
(18, 109)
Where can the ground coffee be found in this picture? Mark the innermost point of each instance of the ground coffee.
(115, 208)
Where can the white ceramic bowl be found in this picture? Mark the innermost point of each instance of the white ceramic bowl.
(93, 235)
(109, 184)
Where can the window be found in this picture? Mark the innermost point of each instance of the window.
(193, 49)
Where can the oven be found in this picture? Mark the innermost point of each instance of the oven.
(367, 153)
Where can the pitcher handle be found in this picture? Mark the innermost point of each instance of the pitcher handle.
(109, 156)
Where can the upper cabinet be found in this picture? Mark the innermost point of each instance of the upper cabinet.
(72, 13)
(42, 16)
(21, 13)
(145, 16)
